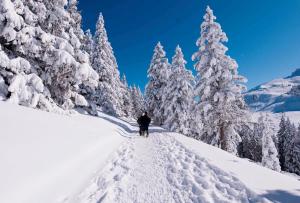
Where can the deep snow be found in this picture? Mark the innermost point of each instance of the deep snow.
(47, 157)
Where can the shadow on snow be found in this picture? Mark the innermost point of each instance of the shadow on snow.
(281, 196)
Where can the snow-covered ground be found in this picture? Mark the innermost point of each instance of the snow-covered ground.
(275, 186)
(45, 157)
(52, 158)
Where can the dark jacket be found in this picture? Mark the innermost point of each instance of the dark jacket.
(144, 122)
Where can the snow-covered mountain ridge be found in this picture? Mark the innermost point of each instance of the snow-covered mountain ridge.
(77, 158)
(278, 95)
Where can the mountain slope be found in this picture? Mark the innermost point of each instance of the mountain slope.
(276, 95)
(54, 158)
(46, 156)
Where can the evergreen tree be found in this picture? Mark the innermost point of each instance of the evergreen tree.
(269, 151)
(196, 124)
(297, 152)
(141, 99)
(127, 102)
(86, 90)
(66, 65)
(138, 103)
(108, 94)
(75, 19)
(178, 97)
(219, 87)
(88, 43)
(252, 142)
(281, 135)
(19, 80)
(47, 42)
(289, 147)
(298, 131)
(158, 74)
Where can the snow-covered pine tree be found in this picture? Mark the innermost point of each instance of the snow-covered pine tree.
(297, 152)
(269, 151)
(158, 74)
(252, 142)
(88, 43)
(38, 35)
(290, 163)
(196, 125)
(298, 134)
(67, 66)
(281, 135)
(178, 96)
(86, 90)
(288, 146)
(59, 61)
(219, 87)
(108, 94)
(138, 103)
(140, 100)
(75, 19)
(19, 82)
(127, 102)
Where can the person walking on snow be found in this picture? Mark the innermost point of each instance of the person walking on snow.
(144, 122)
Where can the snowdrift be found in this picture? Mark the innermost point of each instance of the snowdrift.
(52, 158)
(45, 157)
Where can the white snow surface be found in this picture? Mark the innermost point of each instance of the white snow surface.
(47, 157)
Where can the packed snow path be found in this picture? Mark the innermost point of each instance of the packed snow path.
(160, 169)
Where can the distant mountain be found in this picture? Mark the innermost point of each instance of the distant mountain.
(295, 73)
(279, 95)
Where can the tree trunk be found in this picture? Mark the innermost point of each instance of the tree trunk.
(222, 138)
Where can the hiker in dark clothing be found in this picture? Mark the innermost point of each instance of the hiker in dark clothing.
(144, 122)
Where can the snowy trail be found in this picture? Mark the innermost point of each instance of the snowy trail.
(161, 169)
(89, 159)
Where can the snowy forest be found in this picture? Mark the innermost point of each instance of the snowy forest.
(48, 62)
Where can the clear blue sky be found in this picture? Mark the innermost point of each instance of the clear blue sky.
(264, 35)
